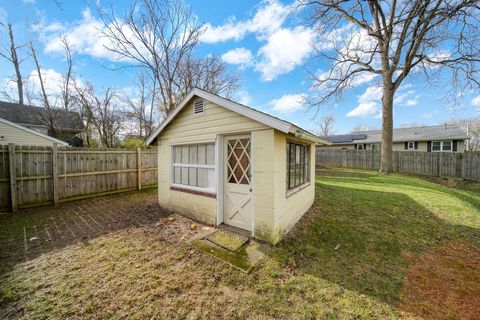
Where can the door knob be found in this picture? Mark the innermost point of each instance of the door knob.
(250, 189)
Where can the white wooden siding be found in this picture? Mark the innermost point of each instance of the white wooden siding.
(21, 137)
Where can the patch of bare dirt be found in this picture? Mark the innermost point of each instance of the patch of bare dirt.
(443, 283)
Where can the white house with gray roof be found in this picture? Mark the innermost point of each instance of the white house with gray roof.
(441, 138)
(29, 125)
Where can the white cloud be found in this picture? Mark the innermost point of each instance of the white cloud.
(231, 30)
(268, 18)
(406, 97)
(52, 81)
(239, 56)
(364, 110)
(368, 103)
(475, 101)
(411, 102)
(288, 103)
(285, 49)
(350, 44)
(84, 36)
(3, 14)
(243, 97)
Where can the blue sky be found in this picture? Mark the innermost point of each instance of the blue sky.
(258, 39)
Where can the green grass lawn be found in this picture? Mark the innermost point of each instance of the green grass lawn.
(404, 242)
(371, 247)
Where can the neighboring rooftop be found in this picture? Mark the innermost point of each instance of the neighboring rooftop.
(425, 133)
(37, 116)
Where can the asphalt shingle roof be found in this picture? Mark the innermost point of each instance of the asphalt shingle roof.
(30, 115)
(426, 133)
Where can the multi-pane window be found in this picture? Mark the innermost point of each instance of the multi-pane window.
(442, 145)
(298, 164)
(194, 166)
(447, 146)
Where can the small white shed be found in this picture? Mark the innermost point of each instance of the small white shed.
(220, 162)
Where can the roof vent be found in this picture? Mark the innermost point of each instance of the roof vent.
(198, 106)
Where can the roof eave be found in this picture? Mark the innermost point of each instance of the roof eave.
(300, 133)
(253, 114)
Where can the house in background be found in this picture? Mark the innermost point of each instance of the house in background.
(441, 138)
(28, 125)
(13, 133)
(221, 162)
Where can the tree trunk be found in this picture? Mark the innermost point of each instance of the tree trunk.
(16, 64)
(387, 129)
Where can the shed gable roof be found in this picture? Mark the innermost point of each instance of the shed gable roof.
(266, 119)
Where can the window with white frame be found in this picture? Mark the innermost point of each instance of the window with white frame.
(447, 145)
(411, 145)
(194, 166)
(442, 145)
(360, 146)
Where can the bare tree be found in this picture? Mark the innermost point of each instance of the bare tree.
(392, 40)
(326, 125)
(157, 35)
(11, 54)
(85, 110)
(142, 105)
(107, 117)
(210, 74)
(472, 127)
(101, 114)
(50, 114)
(43, 92)
(66, 86)
(61, 99)
(160, 36)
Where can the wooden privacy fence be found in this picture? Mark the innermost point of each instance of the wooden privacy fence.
(33, 176)
(464, 165)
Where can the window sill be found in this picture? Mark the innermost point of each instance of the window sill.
(297, 189)
(194, 191)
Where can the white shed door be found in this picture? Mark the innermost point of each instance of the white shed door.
(237, 202)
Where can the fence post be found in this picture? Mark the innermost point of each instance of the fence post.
(55, 173)
(13, 176)
(139, 168)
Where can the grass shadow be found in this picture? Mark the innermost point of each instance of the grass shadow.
(30, 233)
(365, 240)
(468, 191)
